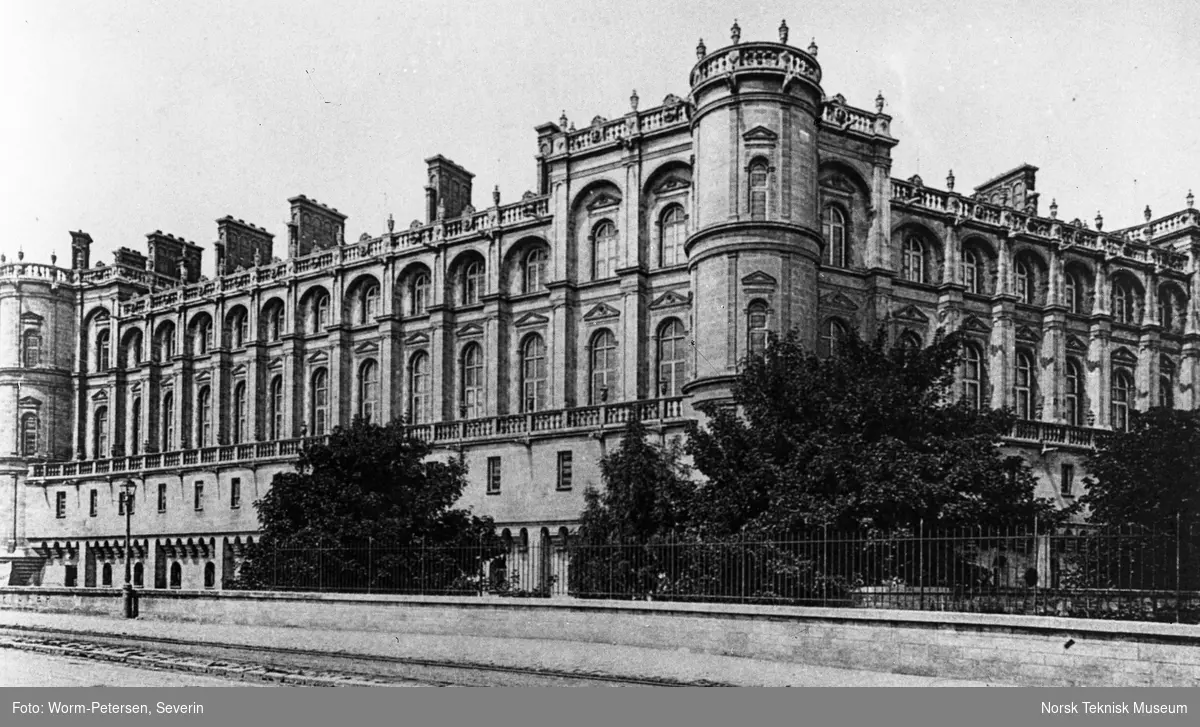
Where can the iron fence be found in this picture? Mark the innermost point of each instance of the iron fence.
(1081, 572)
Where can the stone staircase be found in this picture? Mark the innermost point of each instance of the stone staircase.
(21, 570)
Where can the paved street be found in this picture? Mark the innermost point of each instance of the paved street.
(28, 669)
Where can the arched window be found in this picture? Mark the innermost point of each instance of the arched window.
(320, 311)
(418, 388)
(368, 390)
(274, 322)
(758, 189)
(100, 433)
(204, 417)
(166, 343)
(419, 294)
(533, 270)
(471, 390)
(239, 328)
(106, 575)
(972, 272)
(911, 341)
(239, 412)
(135, 426)
(275, 409)
(1166, 383)
(1024, 282)
(319, 415)
(973, 376)
(139, 574)
(201, 336)
(913, 260)
(102, 354)
(33, 349)
(472, 282)
(833, 332)
(1122, 389)
(1023, 385)
(176, 575)
(672, 232)
(167, 423)
(1122, 303)
(210, 575)
(1073, 292)
(533, 374)
(833, 224)
(132, 353)
(29, 435)
(672, 355)
(604, 250)
(369, 305)
(603, 366)
(756, 328)
(1073, 394)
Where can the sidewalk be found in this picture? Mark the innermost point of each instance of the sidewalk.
(548, 654)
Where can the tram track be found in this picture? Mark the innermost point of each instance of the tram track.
(284, 665)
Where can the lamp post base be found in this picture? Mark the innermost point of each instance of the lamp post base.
(130, 598)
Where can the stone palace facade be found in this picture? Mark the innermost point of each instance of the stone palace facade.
(658, 249)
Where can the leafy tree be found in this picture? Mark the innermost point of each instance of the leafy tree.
(865, 438)
(356, 510)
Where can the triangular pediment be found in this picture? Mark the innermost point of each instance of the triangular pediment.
(30, 318)
(670, 299)
(602, 200)
(416, 338)
(318, 357)
(759, 279)
(136, 388)
(101, 395)
(203, 377)
(1027, 334)
(276, 363)
(838, 300)
(601, 311)
(974, 324)
(29, 402)
(469, 331)
(239, 370)
(671, 184)
(1074, 343)
(1124, 356)
(366, 347)
(760, 133)
(531, 319)
(911, 313)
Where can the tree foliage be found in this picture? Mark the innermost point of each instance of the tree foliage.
(868, 437)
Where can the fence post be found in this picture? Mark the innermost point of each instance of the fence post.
(1178, 567)
(921, 559)
(370, 560)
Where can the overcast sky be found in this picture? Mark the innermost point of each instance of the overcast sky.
(123, 118)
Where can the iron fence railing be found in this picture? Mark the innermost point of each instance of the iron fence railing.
(1078, 571)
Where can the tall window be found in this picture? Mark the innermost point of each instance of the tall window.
(832, 335)
(533, 374)
(167, 423)
(603, 366)
(102, 354)
(204, 416)
(472, 282)
(320, 311)
(1122, 303)
(1122, 388)
(758, 189)
(671, 235)
(239, 328)
(419, 294)
(1023, 385)
(972, 270)
(756, 328)
(132, 354)
(471, 395)
(275, 409)
(1073, 293)
(368, 390)
(418, 388)
(166, 343)
(94, 503)
(320, 403)
(913, 260)
(972, 376)
(33, 349)
(533, 270)
(1166, 383)
(1073, 395)
(910, 341)
(135, 426)
(1024, 280)
(239, 412)
(100, 433)
(833, 224)
(202, 334)
(604, 250)
(162, 496)
(369, 305)
(671, 358)
(29, 435)
(274, 322)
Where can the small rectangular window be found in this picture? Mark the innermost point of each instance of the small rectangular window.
(199, 495)
(493, 476)
(1068, 480)
(93, 503)
(60, 505)
(162, 496)
(235, 493)
(121, 504)
(565, 472)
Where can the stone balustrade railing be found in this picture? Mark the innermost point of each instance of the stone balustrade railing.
(35, 271)
(838, 114)
(756, 57)
(603, 131)
(1049, 433)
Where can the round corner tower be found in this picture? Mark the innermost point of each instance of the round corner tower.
(756, 246)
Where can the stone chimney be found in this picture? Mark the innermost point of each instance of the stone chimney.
(239, 243)
(174, 257)
(81, 250)
(449, 190)
(313, 227)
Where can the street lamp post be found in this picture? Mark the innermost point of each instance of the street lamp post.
(130, 596)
